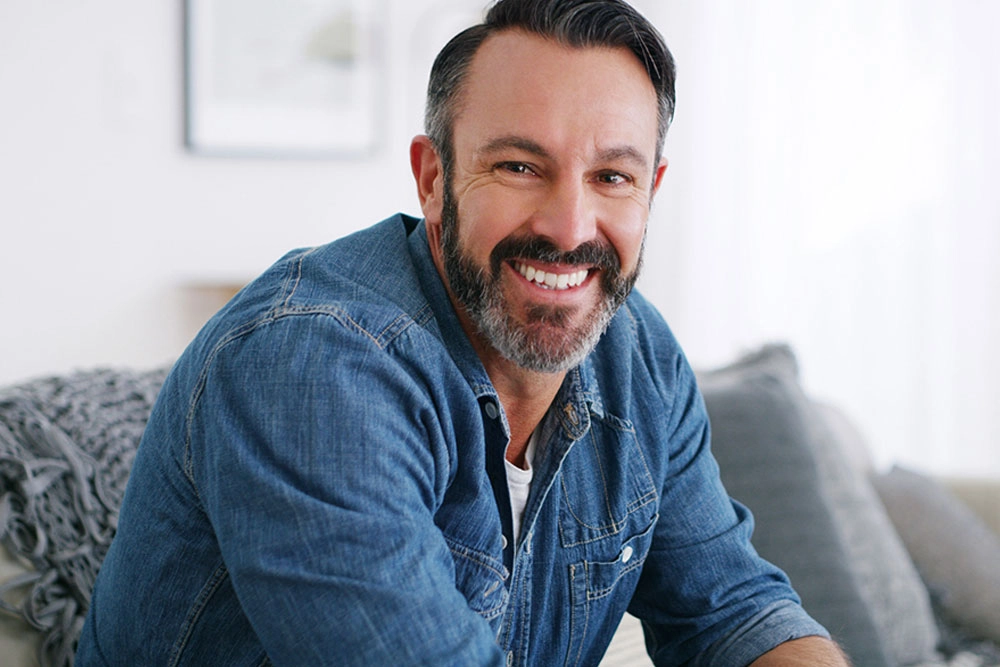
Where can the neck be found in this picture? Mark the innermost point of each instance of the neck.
(524, 394)
(526, 397)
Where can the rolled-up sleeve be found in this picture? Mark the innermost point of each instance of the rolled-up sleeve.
(705, 596)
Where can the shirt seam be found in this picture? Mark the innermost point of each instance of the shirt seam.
(382, 340)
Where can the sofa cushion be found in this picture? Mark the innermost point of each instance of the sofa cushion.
(885, 573)
(817, 516)
(957, 555)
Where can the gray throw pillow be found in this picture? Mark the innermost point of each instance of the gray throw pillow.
(957, 555)
(759, 437)
(796, 465)
(889, 583)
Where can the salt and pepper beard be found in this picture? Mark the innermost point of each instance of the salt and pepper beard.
(546, 342)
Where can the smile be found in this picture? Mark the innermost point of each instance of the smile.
(549, 280)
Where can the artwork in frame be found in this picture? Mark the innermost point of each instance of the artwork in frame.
(282, 78)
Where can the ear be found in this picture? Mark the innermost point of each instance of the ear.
(658, 178)
(428, 172)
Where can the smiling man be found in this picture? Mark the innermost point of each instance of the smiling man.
(464, 439)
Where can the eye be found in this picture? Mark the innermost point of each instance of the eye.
(519, 168)
(613, 178)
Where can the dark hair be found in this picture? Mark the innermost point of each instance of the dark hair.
(576, 23)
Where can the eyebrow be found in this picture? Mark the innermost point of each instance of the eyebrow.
(626, 152)
(514, 141)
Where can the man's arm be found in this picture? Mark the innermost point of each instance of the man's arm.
(807, 651)
(321, 483)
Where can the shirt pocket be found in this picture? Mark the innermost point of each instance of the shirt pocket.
(481, 579)
(608, 510)
(607, 489)
(595, 612)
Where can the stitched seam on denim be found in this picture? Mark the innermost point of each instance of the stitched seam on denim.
(604, 480)
(653, 494)
(514, 611)
(382, 338)
(474, 556)
(525, 599)
(423, 315)
(292, 284)
(194, 613)
(616, 527)
(606, 530)
(584, 607)
(99, 650)
(398, 326)
(625, 426)
(599, 593)
(643, 500)
(199, 388)
(487, 563)
(617, 423)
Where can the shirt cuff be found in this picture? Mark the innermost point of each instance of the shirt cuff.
(776, 624)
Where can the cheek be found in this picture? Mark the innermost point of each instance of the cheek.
(485, 221)
(626, 236)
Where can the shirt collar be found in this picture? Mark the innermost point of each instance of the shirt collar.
(578, 396)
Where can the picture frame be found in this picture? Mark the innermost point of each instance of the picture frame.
(282, 78)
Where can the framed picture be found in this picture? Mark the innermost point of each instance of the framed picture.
(282, 78)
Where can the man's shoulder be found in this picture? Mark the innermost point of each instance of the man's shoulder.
(642, 324)
(371, 265)
(639, 345)
(363, 284)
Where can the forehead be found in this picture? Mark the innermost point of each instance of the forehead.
(523, 84)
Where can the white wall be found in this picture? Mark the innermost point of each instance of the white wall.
(839, 166)
(107, 218)
(832, 183)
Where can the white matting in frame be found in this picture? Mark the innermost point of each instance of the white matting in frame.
(282, 77)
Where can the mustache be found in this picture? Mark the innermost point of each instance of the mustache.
(592, 253)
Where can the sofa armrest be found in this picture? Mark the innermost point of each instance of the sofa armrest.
(981, 495)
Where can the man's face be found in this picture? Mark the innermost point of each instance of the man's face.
(544, 215)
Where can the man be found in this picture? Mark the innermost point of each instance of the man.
(457, 440)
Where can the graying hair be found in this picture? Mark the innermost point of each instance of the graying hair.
(575, 23)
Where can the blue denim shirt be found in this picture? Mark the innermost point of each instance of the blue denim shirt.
(321, 483)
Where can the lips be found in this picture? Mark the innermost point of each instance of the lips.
(550, 279)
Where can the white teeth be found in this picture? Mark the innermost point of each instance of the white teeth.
(556, 281)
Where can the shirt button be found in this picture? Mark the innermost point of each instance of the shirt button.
(491, 410)
(626, 554)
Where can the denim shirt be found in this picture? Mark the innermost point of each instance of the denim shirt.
(321, 482)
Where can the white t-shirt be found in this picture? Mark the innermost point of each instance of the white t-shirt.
(519, 484)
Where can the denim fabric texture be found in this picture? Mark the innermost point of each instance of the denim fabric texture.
(322, 483)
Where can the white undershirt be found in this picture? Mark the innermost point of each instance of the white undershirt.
(519, 484)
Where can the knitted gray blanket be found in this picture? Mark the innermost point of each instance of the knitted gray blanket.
(66, 448)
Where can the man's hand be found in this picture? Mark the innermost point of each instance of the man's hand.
(811, 651)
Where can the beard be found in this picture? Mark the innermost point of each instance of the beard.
(547, 341)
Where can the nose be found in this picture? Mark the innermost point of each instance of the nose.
(566, 216)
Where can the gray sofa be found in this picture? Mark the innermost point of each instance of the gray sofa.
(899, 568)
